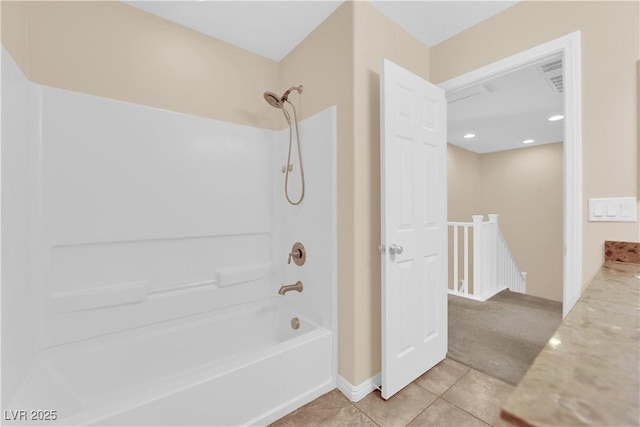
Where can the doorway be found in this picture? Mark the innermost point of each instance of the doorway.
(568, 48)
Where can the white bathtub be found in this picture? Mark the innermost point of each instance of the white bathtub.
(245, 365)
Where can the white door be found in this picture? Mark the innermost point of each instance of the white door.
(414, 226)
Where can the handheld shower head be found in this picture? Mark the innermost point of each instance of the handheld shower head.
(273, 99)
(277, 101)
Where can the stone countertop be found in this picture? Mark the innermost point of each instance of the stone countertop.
(589, 371)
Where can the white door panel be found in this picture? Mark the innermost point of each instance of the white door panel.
(413, 195)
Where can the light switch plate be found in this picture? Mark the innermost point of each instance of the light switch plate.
(614, 209)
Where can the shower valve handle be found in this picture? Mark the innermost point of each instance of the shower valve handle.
(295, 254)
(298, 254)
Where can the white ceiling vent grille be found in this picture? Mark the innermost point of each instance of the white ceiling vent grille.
(552, 66)
(552, 74)
(557, 82)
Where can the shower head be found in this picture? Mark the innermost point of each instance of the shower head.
(278, 102)
(273, 99)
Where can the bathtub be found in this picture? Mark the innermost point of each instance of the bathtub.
(244, 365)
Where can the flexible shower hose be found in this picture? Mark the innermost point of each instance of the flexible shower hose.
(286, 177)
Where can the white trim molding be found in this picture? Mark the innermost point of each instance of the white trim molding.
(356, 393)
(569, 47)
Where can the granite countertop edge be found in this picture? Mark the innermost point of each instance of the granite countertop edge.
(588, 373)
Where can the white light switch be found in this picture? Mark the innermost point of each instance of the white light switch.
(614, 209)
(598, 209)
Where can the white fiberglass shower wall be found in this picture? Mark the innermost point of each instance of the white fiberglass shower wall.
(142, 252)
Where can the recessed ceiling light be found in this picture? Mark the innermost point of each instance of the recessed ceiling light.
(528, 141)
(470, 135)
(555, 118)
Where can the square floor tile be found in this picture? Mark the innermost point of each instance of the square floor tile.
(400, 409)
(444, 414)
(331, 409)
(480, 395)
(442, 376)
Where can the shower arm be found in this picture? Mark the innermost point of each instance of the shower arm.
(285, 97)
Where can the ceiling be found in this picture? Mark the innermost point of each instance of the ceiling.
(432, 22)
(507, 110)
(268, 28)
(274, 28)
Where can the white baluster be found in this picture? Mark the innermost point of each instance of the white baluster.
(466, 260)
(478, 254)
(493, 220)
(494, 267)
(456, 284)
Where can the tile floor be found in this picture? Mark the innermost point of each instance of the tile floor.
(450, 394)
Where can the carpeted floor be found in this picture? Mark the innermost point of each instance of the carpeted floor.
(501, 336)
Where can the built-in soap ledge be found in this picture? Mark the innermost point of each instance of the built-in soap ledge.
(130, 292)
(236, 275)
(106, 296)
(185, 287)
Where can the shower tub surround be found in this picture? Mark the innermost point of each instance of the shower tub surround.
(157, 242)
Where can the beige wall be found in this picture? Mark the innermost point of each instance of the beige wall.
(463, 184)
(114, 50)
(524, 187)
(610, 45)
(13, 30)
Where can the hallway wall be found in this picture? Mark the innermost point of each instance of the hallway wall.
(463, 184)
(524, 187)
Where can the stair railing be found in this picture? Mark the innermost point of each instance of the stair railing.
(493, 265)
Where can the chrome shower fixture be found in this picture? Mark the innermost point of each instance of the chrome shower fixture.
(278, 102)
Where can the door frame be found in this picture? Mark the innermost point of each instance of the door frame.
(569, 47)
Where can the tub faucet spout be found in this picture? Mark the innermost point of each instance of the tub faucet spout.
(286, 288)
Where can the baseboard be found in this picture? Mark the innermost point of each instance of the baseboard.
(356, 393)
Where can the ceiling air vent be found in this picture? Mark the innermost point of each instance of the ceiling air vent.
(557, 82)
(552, 73)
(552, 66)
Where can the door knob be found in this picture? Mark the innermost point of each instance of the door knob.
(395, 249)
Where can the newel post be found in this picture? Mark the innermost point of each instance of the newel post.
(477, 255)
